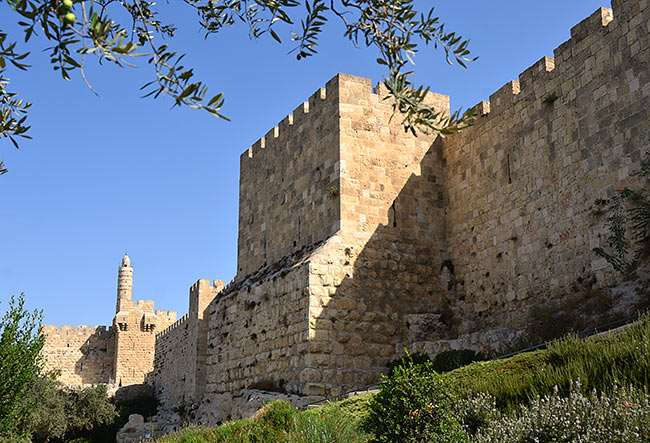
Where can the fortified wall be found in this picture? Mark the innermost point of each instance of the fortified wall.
(184, 341)
(526, 182)
(357, 240)
(83, 355)
(120, 355)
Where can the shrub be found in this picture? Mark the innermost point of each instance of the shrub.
(477, 412)
(622, 416)
(416, 358)
(629, 223)
(449, 360)
(278, 422)
(66, 413)
(414, 404)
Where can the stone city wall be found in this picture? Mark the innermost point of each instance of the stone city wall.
(184, 341)
(278, 328)
(285, 180)
(83, 355)
(378, 240)
(171, 363)
(526, 183)
(257, 336)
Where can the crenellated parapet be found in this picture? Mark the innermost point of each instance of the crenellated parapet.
(172, 327)
(542, 78)
(74, 330)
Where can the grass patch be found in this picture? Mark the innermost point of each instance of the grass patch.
(278, 422)
(598, 362)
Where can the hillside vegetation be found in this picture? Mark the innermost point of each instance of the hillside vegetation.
(583, 390)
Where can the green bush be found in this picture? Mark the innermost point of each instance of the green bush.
(449, 360)
(21, 364)
(414, 404)
(278, 422)
(418, 359)
(64, 413)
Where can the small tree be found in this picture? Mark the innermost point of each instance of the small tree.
(66, 413)
(20, 362)
(628, 223)
(414, 404)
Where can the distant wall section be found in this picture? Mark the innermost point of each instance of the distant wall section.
(180, 352)
(83, 355)
(135, 327)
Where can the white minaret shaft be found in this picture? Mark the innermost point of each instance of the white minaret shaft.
(124, 281)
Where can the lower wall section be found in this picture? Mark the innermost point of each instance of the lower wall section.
(172, 363)
(257, 333)
(83, 355)
(369, 299)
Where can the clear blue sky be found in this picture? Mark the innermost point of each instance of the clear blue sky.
(120, 173)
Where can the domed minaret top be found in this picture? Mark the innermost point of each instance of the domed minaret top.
(126, 261)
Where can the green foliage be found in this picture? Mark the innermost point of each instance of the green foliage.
(449, 360)
(354, 409)
(66, 413)
(278, 422)
(123, 32)
(20, 363)
(599, 362)
(514, 399)
(48, 418)
(623, 415)
(629, 223)
(416, 359)
(414, 404)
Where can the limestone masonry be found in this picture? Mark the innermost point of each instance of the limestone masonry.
(357, 239)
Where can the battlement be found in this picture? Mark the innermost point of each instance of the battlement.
(162, 313)
(214, 284)
(334, 92)
(292, 120)
(74, 330)
(537, 79)
(171, 328)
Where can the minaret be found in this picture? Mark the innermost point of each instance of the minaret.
(124, 282)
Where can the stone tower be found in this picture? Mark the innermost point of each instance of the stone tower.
(121, 354)
(124, 282)
(135, 325)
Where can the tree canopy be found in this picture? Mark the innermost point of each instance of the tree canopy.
(20, 363)
(130, 32)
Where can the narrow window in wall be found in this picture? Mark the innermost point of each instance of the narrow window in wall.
(393, 212)
(508, 168)
(264, 240)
